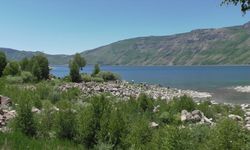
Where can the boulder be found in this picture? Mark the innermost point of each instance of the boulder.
(235, 117)
(185, 116)
(36, 110)
(247, 114)
(5, 101)
(153, 125)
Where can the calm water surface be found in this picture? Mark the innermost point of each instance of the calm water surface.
(218, 80)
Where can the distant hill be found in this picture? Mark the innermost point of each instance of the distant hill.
(13, 54)
(230, 45)
(223, 46)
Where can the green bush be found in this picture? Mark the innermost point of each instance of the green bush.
(27, 76)
(86, 78)
(12, 68)
(97, 79)
(14, 79)
(108, 76)
(25, 120)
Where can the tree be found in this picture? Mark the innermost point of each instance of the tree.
(3, 62)
(74, 72)
(245, 4)
(79, 60)
(43, 64)
(12, 68)
(96, 70)
(36, 71)
(25, 64)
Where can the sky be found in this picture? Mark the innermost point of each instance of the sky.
(70, 26)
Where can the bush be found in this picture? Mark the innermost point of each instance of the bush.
(14, 79)
(74, 72)
(108, 76)
(86, 78)
(97, 79)
(3, 62)
(66, 121)
(25, 121)
(12, 68)
(27, 76)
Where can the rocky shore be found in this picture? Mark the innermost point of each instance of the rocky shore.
(124, 89)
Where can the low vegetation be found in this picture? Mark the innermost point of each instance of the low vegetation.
(70, 120)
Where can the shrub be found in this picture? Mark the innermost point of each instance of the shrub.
(86, 78)
(12, 68)
(25, 121)
(96, 70)
(145, 103)
(108, 76)
(3, 62)
(27, 76)
(74, 72)
(14, 79)
(97, 79)
(66, 121)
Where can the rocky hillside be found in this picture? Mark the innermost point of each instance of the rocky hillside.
(229, 45)
(223, 46)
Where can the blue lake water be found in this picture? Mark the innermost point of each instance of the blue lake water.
(214, 79)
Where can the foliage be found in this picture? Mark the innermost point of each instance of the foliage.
(12, 68)
(25, 120)
(244, 4)
(3, 62)
(41, 65)
(74, 72)
(86, 78)
(27, 76)
(96, 70)
(79, 60)
(108, 76)
(14, 79)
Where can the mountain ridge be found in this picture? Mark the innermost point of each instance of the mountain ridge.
(213, 46)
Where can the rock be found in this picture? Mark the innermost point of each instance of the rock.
(5, 101)
(235, 117)
(196, 118)
(156, 108)
(185, 116)
(153, 125)
(247, 119)
(36, 110)
(247, 114)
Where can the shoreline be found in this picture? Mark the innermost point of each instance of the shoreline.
(125, 89)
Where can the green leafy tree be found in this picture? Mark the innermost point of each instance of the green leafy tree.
(12, 68)
(96, 70)
(245, 4)
(81, 62)
(74, 72)
(25, 64)
(3, 62)
(43, 64)
(36, 71)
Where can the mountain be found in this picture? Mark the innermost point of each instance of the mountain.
(17, 55)
(223, 46)
(230, 45)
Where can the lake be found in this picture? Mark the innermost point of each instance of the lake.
(218, 80)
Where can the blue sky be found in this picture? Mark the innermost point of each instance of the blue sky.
(69, 26)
